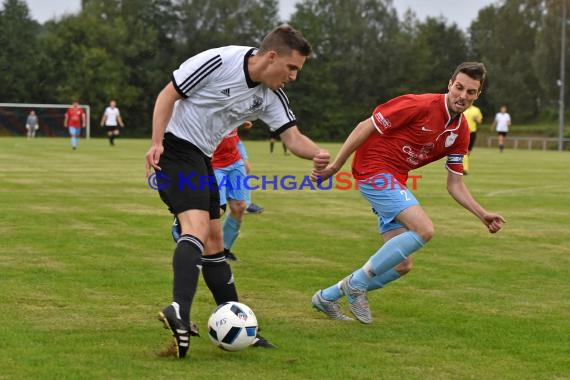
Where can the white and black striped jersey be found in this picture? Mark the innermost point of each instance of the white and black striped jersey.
(219, 96)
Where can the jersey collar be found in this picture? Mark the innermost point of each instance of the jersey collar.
(451, 124)
(250, 82)
(449, 120)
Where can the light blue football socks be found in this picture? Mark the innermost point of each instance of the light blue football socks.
(384, 279)
(392, 253)
(230, 230)
(333, 293)
(384, 261)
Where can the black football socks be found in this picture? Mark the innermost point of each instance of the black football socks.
(186, 265)
(219, 278)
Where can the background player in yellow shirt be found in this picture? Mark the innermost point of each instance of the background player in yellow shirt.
(474, 118)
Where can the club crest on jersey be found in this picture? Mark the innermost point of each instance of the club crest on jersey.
(257, 103)
(450, 139)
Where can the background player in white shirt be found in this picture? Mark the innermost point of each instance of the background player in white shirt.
(209, 95)
(112, 120)
(502, 123)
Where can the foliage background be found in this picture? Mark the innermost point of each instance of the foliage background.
(365, 54)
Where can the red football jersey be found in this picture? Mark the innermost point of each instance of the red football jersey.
(74, 118)
(413, 130)
(226, 152)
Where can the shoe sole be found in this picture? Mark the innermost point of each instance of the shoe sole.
(162, 318)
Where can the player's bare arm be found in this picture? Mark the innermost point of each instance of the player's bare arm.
(161, 115)
(304, 147)
(353, 141)
(459, 191)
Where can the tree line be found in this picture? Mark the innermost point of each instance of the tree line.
(364, 54)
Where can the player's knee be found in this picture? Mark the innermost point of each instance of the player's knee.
(426, 232)
(238, 208)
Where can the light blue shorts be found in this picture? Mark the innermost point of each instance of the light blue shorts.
(388, 199)
(231, 182)
(74, 131)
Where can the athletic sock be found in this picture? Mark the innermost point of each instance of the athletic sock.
(247, 197)
(384, 279)
(392, 253)
(230, 230)
(219, 278)
(186, 265)
(332, 293)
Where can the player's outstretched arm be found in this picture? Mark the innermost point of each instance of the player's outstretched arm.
(459, 191)
(360, 133)
(302, 146)
(299, 144)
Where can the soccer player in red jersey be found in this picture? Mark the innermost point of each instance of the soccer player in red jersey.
(403, 134)
(74, 121)
(229, 168)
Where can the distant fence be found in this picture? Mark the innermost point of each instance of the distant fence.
(530, 142)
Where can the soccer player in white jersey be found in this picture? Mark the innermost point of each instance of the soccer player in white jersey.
(209, 95)
(403, 134)
(112, 120)
(501, 124)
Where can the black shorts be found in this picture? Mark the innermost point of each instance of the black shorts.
(504, 134)
(472, 139)
(112, 128)
(187, 181)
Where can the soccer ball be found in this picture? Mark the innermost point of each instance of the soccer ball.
(232, 326)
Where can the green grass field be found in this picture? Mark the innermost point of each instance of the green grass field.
(85, 265)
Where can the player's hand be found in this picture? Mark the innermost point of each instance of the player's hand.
(494, 222)
(247, 124)
(152, 157)
(320, 176)
(321, 160)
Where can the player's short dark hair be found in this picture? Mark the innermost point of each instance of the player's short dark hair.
(284, 39)
(474, 70)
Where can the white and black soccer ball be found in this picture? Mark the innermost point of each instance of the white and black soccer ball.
(232, 326)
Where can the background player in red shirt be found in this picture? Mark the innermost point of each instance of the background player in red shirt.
(230, 171)
(74, 120)
(403, 134)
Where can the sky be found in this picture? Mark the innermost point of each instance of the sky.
(461, 12)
